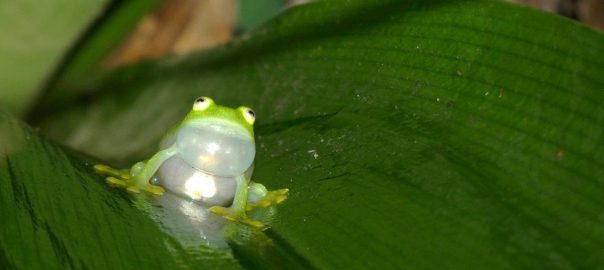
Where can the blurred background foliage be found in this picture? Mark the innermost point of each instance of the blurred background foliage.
(37, 59)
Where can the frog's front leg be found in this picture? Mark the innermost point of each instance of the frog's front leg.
(259, 196)
(141, 172)
(236, 212)
(139, 175)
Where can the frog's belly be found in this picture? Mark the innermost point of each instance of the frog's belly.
(179, 177)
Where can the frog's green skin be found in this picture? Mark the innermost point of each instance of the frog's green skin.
(215, 142)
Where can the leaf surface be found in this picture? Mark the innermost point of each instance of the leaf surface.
(412, 134)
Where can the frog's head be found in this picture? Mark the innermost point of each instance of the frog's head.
(217, 139)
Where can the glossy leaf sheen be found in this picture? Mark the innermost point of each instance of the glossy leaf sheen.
(412, 134)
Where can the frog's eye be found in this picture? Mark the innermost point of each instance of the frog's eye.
(201, 103)
(249, 115)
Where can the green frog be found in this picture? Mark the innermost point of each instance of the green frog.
(207, 157)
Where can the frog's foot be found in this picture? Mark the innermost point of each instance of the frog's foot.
(271, 198)
(153, 189)
(234, 216)
(111, 172)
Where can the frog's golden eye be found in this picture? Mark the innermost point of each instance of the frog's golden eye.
(201, 103)
(249, 115)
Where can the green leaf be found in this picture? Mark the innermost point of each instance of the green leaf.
(35, 35)
(56, 210)
(412, 134)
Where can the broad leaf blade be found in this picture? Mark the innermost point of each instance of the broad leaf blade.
(57, 213)
(425, 134)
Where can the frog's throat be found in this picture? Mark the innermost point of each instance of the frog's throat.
(215, 132)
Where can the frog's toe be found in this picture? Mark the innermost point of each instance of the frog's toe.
(133, 189)
(115, 182)
(99, 167)
(155, 190)
(102, 168)
(223, 212)
(251, 222)
(282, 191)
(271, 198)
(278, 196)
(231, 215)
(112, 172)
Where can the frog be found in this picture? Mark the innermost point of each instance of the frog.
(206, 157)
